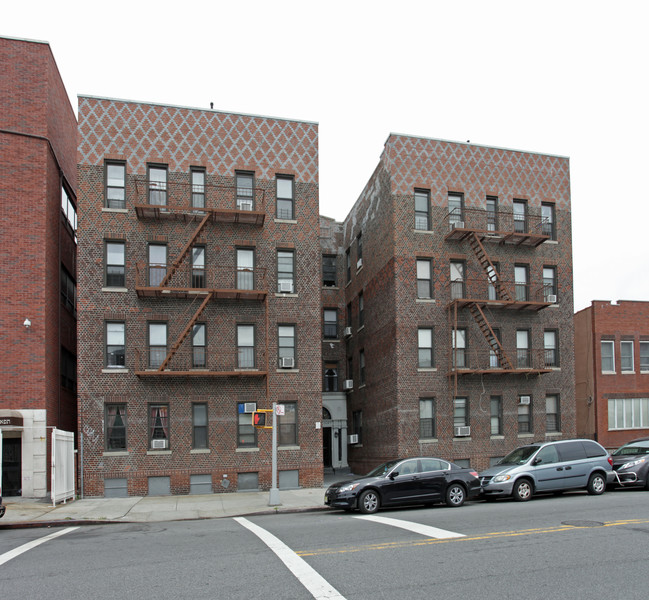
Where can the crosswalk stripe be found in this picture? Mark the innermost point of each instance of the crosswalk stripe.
(7, 556)
(427, 530)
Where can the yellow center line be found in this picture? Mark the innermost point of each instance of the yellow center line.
(485, 536)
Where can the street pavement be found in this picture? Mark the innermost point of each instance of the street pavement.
(34, 512)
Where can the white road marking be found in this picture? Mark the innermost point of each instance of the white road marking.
(434, 532)
(7, 556)
(319, 588)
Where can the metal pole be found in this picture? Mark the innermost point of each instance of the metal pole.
(273, 499)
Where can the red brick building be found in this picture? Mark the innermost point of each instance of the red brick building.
(457, 286)
(37, 241)
(612, 371)
(198, 298)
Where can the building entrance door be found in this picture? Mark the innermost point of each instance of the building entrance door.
(326, 447)
(11, 466)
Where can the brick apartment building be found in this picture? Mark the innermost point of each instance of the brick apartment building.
(199, 299)
(612, 371)
(458, 313)
(37, 242)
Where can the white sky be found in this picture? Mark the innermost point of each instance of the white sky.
(565, 77)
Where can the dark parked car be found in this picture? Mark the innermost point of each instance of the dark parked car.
(422, 480)
(631, 464)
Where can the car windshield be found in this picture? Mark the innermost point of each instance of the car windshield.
(633, 449)
(381, 470)
(518, 456)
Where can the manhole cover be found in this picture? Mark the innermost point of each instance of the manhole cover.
(583, 523)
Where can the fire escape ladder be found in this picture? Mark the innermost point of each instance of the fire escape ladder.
(493, 276)
(174, 266)
(185, 333)
(493, 341)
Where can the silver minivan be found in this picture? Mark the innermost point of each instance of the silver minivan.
(549, 467)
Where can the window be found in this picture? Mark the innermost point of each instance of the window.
(547, 220)
(68, 291)
(359, 251)
(330, 324)
(115, 264)
(286, 346)
(246, 346)
(457, 279)
(115, 185)
(496, 415)
(427, 428)
(199, 358)
(361, 310)
(424, 278)
(520, 282)
(159, 426)
(285, 202)
(245, 269)
(329, 270)
(157, 344)
(425, 347)
(492, 213)
(348, 264)
(357, 424)
(460, 412)
(494, 361)
(115, 345)
(69, 210)
(494, 289)
(422, 210)
(198, 266)
(286, 271)
(520, 216)
(644, 356)
(608, 356)
(552, 421)
(459, 349)
(551, 349)
(199, 425)
(456, 210)
(157, 264)
(626, 356)
(549, 284)
(350, 367)
(330, 383)
(68, 370)
(246, 432)
(198, 187)
(115, 424)
(523, 358)
(628, 413)
(287, 425)
(348, 313)
(524, 415)
(245, 183)
(158, 185)
(361, 366)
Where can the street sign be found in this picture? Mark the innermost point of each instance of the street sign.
(279, 410)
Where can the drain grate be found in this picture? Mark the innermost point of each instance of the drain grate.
(583, 523)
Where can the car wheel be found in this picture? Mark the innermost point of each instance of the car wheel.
(455, 495)
(369, 502)
(523, 490)
(596, 484)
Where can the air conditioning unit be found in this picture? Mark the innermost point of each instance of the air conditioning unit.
(348, 384)
(286, 287)
(463, 431)
(347, 331)
(359, 263)
(158, 444)
(457, 224)
(524, 399)
(352, 438)
(244, 205)
(249, 407)
(552, 298)
(287, 362)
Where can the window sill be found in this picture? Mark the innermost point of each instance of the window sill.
(466, 438)
(426, 300)
(551, 242)
(362, 385)
(428, 440)
(330, 287)
(497, 437)
(116, 453)
(525, 435)
(425, 231)
(360, 329)
(426, 369)
(554, 434)
(292, 221)
(158, 452)
(285, 295)
(627, 373)
(287, 370)
(609, 373)
(114, 289)
(120, 370)
(332, 340)
(288, 447)
(200, 451)
(556, 369)
(255, 449)
(115, 210)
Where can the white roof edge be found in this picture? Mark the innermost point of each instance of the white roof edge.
(214, 110)
(21, 39)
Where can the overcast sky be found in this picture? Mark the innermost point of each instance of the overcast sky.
(564, 77)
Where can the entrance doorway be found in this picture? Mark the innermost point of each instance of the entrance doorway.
(11, 466)
(326, 447)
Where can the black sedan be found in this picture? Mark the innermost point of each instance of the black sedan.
(422, 480)
(631, 464)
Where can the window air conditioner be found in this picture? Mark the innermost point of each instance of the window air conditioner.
(287, 362)
(347, 331)
(524, 400)
(359, 263)
(352, 438)
(286, 287)
(463, 431)
(348, 384)
(249, 407)
(457, 224)
(552, 298)
(158, 444)
(244, 205)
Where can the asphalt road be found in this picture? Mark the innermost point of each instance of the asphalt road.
(571, 546)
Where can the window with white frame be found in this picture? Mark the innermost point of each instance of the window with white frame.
(245, 183)
(159, 426)
(492, 213)
(551, 349)
(425, 347)
(457, 279)
(285, 198)
(524, 415)
(115, 264)
(608, 356)
(286, 346)
(286, 271)
(199, 346)
(547, 220)
(157, 185)
(521, 284)
(246, 432)
(246, 346)
(157, 264)
(460, 412)
(287, 425)
(245, 269)
(520, 216)
(458, 343)
(329, 276)
(626, 356)
(330, 323)
(549, 284)
(552, 420)
(628, 413)
(496, 415)
(115, 185)
(523, 356)
(422, 210)
(424, 278)
(157, 344)
(199, 425)
(198, 187)
(644, 356)
(456, 210)
(115, 427)
(198, 266)
(115, 345)
(427, 428)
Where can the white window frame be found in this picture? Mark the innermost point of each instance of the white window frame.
(611, 344)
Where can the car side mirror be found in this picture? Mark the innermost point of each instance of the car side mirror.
(394, 474)
(537, 461)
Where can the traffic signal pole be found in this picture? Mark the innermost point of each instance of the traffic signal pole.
(273, 499)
